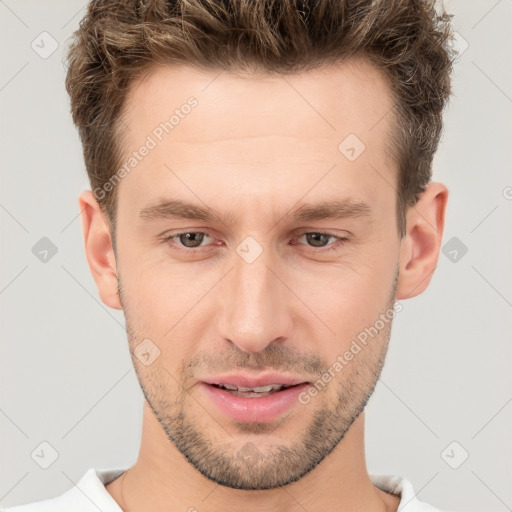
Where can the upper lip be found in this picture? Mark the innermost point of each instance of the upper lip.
(247, 381)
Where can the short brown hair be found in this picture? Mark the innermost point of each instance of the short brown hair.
(119, 40)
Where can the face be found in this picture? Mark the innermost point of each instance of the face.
(252, 250)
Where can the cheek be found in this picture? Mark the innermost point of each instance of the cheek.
(166, 301)
(166, 297)
(349, 294)
(351, 302)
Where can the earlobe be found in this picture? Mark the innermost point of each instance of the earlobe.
(420, 247)
(99, 250)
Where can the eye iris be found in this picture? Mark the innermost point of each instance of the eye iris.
(316, 241)
(194, 238)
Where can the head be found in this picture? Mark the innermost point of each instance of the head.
(260, 198)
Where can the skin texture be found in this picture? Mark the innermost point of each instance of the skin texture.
(294, 309)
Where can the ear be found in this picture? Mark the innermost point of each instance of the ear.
(98, 249)
(420, 247)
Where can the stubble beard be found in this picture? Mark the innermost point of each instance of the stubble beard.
(251, 464)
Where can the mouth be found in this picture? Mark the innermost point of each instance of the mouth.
(253, 392)
(254, 399)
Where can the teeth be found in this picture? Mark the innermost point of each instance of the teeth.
(229, 386)
(259, 389)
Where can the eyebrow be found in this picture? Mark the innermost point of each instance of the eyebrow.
(177, 209)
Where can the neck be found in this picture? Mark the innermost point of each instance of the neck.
(162, 478)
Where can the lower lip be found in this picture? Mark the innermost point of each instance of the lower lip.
(254, 409)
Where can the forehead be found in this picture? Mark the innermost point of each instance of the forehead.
(247, 132)
(352, 95)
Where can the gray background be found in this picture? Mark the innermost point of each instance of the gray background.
(66, 375)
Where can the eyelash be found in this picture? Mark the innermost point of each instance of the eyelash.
(330, 247)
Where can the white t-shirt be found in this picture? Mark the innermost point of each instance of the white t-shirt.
(90, 495)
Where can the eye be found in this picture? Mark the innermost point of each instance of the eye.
(319, 239)
(189, 239)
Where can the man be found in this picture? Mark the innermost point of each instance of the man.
(260, 198)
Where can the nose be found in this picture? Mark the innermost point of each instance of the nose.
(256, 304)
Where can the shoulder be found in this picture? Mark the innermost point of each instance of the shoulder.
(88, 495)
(402, 487)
